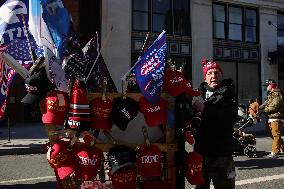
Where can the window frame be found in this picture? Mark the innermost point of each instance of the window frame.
(163, 14)
(150, 14)
(225, 20)
(139, 11)
(256, 25)
(282, 13)
(243, 25)
(232, 23)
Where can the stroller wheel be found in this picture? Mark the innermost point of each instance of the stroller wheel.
(250, 151)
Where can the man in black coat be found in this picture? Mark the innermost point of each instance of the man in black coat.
(214, 135)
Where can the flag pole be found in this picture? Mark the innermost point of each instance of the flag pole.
(26, 34)
(124, 76)
(99, 53)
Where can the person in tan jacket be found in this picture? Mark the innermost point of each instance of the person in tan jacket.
(273, 108)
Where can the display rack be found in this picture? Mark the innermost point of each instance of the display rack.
(168, 146)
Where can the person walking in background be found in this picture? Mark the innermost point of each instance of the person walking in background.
(214, 135)
(273, 108)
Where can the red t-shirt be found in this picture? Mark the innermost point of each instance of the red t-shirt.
(149, 160)
(89, 162)
(100, 113)
(154, 114)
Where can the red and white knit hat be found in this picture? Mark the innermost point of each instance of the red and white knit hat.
(207, 65)
(79, 117)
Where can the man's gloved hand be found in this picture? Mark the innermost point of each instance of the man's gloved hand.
(261, 106)
(260, 111)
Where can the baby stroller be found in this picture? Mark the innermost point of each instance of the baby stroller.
(243, 143)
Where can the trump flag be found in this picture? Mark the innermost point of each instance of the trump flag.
(149, 69)
(12, 41)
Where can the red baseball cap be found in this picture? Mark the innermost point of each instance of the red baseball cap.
(149, 159)
(100, 113)
(61, 158)
(124, 178)
(89, 161)
(154, 114)
(56, 106)
(194, 168)
(175, 84)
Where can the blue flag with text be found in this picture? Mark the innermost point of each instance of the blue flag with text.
(149, 69)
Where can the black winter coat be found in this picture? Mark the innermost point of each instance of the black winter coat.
(214, 136)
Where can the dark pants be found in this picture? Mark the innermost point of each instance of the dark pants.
(221, 170)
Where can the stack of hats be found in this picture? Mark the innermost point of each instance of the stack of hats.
(124, 110)
(61, 159)
(100, 112)
(79, 117)
(37, 85)
(154, 114)
(149, 160)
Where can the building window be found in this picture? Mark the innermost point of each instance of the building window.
(158, 15)
(235, 23)
(161, 15)
(250, 27)
(140, 13)
(280, 29)
(219, 21)
(181, 17)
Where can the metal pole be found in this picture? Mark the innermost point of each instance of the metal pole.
(9, 129)
(145, 41)
(27, 36)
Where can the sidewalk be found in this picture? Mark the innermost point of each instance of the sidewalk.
(25, 138)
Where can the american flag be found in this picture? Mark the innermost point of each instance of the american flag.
(13, 41)
(18, 49)
(6, 75)
(149, 69)
(100, 71)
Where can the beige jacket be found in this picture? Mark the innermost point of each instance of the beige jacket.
(273, 105)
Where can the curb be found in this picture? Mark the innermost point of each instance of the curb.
(24, 150)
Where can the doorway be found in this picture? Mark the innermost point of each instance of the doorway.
(89, 19)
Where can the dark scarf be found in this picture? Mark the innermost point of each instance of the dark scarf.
(224, 90)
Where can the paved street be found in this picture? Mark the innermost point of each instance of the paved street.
(33, 172)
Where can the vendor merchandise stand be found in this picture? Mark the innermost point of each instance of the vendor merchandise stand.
(169, 146)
